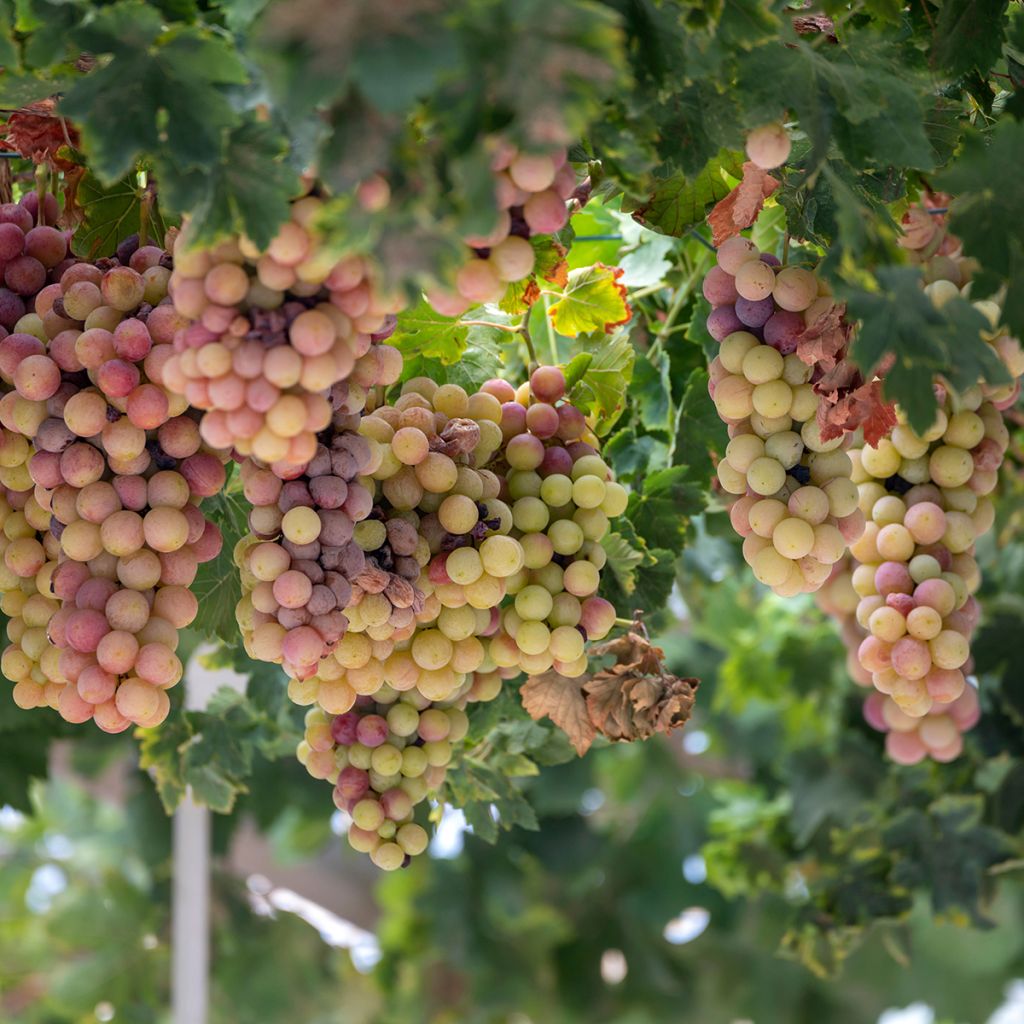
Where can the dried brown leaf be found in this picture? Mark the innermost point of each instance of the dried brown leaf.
(561, 700)
(739, 209)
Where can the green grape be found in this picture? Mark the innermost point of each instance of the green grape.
(556, 490)
(530, 515)
(533, 602)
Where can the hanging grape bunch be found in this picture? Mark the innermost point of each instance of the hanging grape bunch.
(272, 343)
(795, 504)
(118, 469)
(531, 191)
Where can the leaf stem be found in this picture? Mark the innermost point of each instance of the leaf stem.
(682, 294)
(42, 180)
(524, 328)
(552, 344)
(510, 328)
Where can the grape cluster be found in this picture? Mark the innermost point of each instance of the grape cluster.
(383, 757)
(560, 497)
(270, 340)
(926, 500)
(795, 506)
(531, 191)
(117, 471)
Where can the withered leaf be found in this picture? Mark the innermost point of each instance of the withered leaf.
(739, 209)
(824, 342)
(633, 699)
(561, 699)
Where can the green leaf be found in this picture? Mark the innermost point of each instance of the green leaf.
(395, 70)
(699, 430)
(423, 332)
(576, 369)
(147, 94)
(866, 101)
(677, 203)
(549, 268)
(217, 585)
(248, 191)
(111, 215)
(623, 560)
(593, 300)
(969, 35)
(901, 320)
(990, 195)
(660, 512)
(602, 390)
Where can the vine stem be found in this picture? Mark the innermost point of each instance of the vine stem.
(552, 345)
(42, 180)
(145, 210)
(682, 293)
(524, 328)
(785, 248)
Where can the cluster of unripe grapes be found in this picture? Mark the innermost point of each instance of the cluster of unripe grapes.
(274, 342)
(560, 496)
(795, 505)
(531, 191)
(108, 536)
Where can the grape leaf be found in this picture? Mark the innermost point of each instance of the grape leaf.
(149, 93)
(593, 300)
(422, 331)
(900, 322)
(554, 696)
(699, 430)
(660, 512)
(739, 209)
(989, 195)
(623, 560)
(676, 203)
(550, 266)
(217, 585)
(969, 35)
(602, 390)
(110, 215)
(247, 191)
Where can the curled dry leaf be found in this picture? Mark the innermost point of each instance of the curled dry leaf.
(816, 24)
(739, 209)
(862, 406)
(37, 132)
(824, 342)
(458, 437)
(631, 700)
(636, 697)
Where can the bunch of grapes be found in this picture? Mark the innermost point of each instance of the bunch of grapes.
(531, 191)
(926, 500)
(560, 497)
(117, 472)
(795, 506)
(267, 335)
